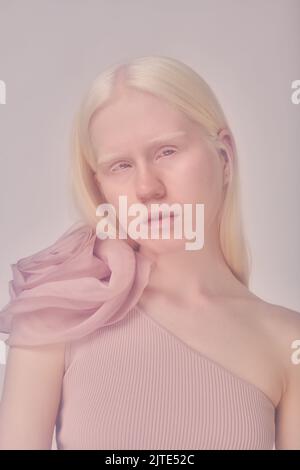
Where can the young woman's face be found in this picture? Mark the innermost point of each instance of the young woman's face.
(178, 169)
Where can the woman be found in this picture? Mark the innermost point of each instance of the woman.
(139, 343)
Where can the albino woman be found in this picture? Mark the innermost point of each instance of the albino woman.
(136, 342)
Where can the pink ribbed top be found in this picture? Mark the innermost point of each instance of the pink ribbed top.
(129, 383)
(135, 385)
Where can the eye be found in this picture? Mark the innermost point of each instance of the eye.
(117, 166)
(167, 150)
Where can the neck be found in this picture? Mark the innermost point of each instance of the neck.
(193, 276)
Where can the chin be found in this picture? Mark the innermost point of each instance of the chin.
(161, 246)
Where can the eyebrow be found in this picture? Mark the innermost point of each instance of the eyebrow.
(102, 158)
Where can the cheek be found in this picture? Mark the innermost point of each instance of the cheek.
(200, 181)
(202, 174)
(112, 193)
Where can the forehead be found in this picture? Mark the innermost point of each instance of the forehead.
(135, 117)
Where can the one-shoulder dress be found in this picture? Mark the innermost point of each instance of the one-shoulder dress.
(128, 382)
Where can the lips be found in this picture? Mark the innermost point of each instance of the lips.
(160, 217)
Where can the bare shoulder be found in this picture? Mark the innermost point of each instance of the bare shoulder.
(283, 326)
(282, 323)
(280, 327)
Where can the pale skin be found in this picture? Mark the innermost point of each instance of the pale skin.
(214, 313)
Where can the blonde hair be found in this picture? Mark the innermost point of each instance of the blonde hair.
(181, 86)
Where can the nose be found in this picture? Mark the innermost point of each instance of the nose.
(149, 186)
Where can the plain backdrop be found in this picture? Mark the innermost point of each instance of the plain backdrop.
(249, 53)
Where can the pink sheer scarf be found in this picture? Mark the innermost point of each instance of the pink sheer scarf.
(72, 287)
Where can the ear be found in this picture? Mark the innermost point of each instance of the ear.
(227, 153)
